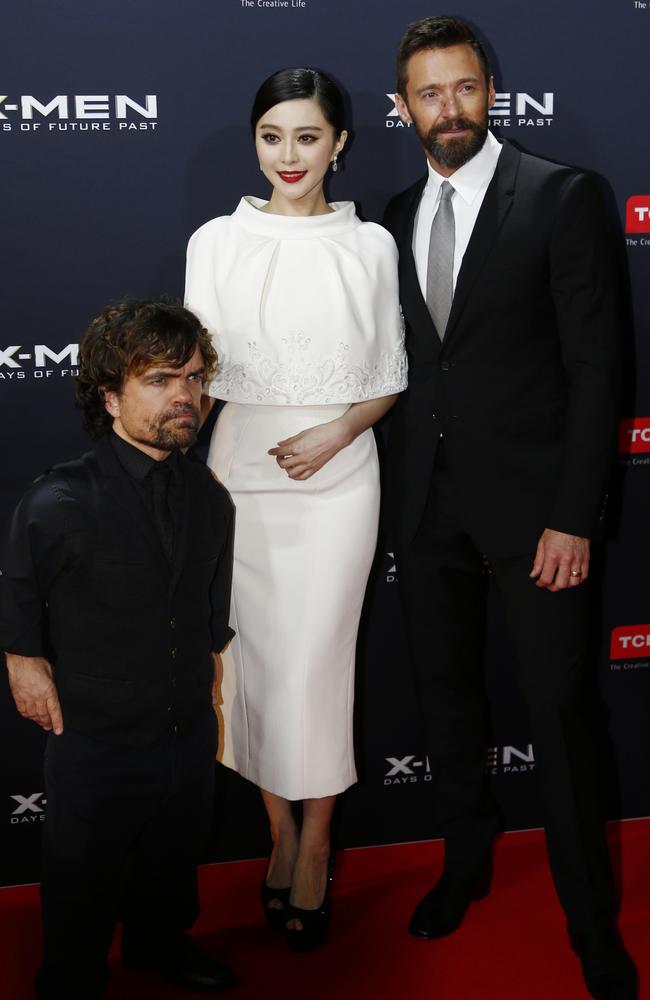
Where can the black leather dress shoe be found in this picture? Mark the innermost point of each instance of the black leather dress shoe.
(608, 970)
(180, 961)
(441, 911)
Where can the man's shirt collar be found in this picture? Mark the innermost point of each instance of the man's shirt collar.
(135, 462)
(471, 178)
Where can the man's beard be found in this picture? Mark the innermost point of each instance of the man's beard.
(167, 434)
(453, 153)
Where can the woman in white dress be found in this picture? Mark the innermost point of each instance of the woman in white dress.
(302, 298)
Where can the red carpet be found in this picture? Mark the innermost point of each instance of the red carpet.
(511, 946)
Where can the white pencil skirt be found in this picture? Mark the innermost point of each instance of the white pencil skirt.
(303, 552)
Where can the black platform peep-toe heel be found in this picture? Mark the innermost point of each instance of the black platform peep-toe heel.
(276, 916)
(315, 923)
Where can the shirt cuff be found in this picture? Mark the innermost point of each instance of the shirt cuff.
(25, 644)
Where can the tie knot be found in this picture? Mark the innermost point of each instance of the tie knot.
(446, 191)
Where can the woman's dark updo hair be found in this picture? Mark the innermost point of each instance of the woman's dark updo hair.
(297, 84)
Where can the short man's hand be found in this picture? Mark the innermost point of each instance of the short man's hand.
(561, 560)
(34, 690)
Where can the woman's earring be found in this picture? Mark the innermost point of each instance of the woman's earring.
(335, 165)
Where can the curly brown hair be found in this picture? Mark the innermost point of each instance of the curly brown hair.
(126, 339)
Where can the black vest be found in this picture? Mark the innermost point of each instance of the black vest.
(131, 634)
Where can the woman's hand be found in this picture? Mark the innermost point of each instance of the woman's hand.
(304, 454)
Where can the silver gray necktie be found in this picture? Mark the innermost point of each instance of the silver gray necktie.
(440, 268)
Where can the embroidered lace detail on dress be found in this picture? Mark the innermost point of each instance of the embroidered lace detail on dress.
(300, 380)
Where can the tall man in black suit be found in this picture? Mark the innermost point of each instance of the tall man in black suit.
(500, 451)
(114, 598)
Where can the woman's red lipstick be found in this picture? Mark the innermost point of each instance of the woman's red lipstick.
(291, 176)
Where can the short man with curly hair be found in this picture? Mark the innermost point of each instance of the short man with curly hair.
(114, 600)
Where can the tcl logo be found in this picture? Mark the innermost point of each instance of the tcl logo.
(629, 642)
(637, 214)
(634, 435)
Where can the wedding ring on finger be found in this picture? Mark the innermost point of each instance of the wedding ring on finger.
(576, 574)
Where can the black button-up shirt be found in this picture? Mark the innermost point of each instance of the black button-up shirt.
(140, 468)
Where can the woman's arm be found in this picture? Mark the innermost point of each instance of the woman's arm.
(304, 454)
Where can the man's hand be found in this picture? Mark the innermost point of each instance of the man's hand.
(561, 560)
(34, 691)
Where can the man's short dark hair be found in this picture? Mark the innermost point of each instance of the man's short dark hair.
(439, 32)
(128, 338)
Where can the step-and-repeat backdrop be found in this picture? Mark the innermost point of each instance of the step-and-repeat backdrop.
(123, 127)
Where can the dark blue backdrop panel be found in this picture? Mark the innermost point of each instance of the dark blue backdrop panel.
(124, 127)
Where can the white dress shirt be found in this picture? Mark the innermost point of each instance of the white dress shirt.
(470, 182)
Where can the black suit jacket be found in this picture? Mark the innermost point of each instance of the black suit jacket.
(85, 581)
(524, 386)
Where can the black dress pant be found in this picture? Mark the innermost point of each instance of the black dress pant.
(444, 587)
(123, 835)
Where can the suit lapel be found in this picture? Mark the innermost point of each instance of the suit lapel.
(118, 485)
(496, 205)
(422, 327)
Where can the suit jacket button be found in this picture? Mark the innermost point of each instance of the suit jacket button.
(445, 366)
(435, 416)
(174, 652)
(172, 623)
